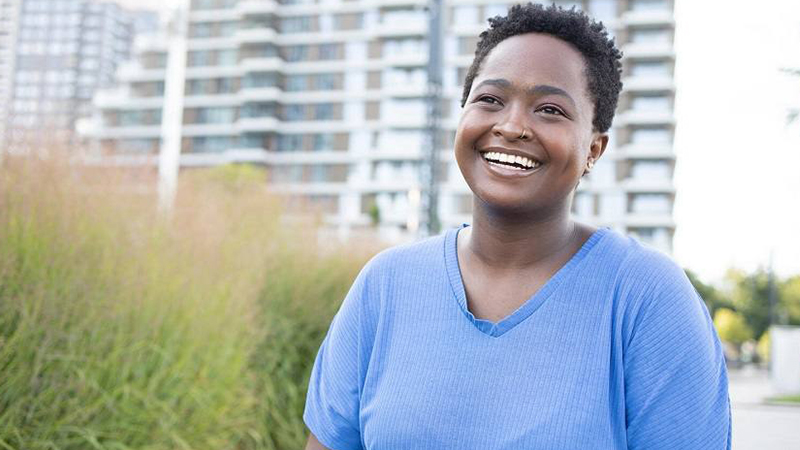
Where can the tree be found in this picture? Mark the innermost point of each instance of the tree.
(732, 327)
(713, 298)
(789, 292)
(749, 294)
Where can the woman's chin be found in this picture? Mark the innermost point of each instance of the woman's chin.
(505, 205)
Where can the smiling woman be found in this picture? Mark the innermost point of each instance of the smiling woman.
(526, 329)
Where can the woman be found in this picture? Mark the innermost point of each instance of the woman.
(526, 330)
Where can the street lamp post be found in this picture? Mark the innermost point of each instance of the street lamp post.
(429, 179)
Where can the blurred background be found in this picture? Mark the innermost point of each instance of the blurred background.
(188, 189)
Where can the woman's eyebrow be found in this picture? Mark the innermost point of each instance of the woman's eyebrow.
(546, 89)
(499, 82)
(541, 89)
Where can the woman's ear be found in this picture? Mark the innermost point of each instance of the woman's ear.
(596, 149)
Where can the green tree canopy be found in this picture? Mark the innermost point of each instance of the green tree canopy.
(713, 298)
(732, 326)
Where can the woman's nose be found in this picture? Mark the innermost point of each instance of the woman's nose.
(512, 126)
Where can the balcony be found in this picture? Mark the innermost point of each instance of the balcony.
(309, 157)
(406, 59)
(151, 42)
(255, 35)
(660, 151)
(257, 156)
(417, 3)
(215, 15)
(262, 94)
(648, 83)
(646, 18)
(634, 117)
(133, 71)
(649, 220)
(212, 43)
(247, 124)
(255, 7)
(649, 50)
(403, 24)
(309, 187)
(213, 72)
(141, 131)
(651, 185)
(211, 100)
(265, 64)
(209, 129)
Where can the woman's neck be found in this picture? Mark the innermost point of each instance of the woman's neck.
(509, 242)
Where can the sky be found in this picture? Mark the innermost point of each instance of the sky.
(738, 163)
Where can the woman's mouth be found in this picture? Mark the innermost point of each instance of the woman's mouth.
(509, 161)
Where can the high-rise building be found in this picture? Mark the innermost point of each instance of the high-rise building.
(55, 55)
(9, 14)
(329, 95)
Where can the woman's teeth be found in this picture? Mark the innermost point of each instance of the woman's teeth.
(512, 161)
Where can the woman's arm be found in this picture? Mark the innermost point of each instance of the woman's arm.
(313, 443)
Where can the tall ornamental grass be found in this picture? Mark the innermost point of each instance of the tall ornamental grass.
(121, 328)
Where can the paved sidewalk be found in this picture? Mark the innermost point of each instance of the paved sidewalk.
(758, 426)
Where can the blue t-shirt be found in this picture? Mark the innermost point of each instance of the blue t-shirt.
(615, 351)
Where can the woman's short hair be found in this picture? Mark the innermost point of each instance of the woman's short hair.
(590, 38)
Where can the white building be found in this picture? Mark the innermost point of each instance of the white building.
(329, 95)
(9, 14)
(54, 55)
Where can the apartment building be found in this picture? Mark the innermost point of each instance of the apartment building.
(329, 96)
(9, 13)
(55, 55)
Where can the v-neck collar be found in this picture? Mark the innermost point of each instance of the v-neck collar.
(526, 309)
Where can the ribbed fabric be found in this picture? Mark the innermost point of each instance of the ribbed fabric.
(615, 351)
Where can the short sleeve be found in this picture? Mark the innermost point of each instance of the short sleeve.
(332, 402)
(676, 386)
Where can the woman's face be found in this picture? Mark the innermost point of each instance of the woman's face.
(533, 84)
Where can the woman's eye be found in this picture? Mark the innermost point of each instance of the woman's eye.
(551, 110)
(490, 100)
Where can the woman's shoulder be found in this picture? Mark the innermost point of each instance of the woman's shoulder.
(422, 252)
(634, 262)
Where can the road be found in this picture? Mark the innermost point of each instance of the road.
(757, 426)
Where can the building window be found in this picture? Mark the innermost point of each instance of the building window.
(651, 135)
(227, 58)
(323, 111)
(325, 82)
(649, 5)
(465, 15)
(211, 144)
(296, 53)
(323, 142)
(493, 10)
(199, 58)
(651, 36)
(200, 30)
(648, 170)
(650, 204)
(294, 112)
(290, 142)
(296, 24)
(295, 83)
(650, 69)
(648, 103)
(260, 80)
(328, 51)
(603, 10)
(215, 115)
(258, 110)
